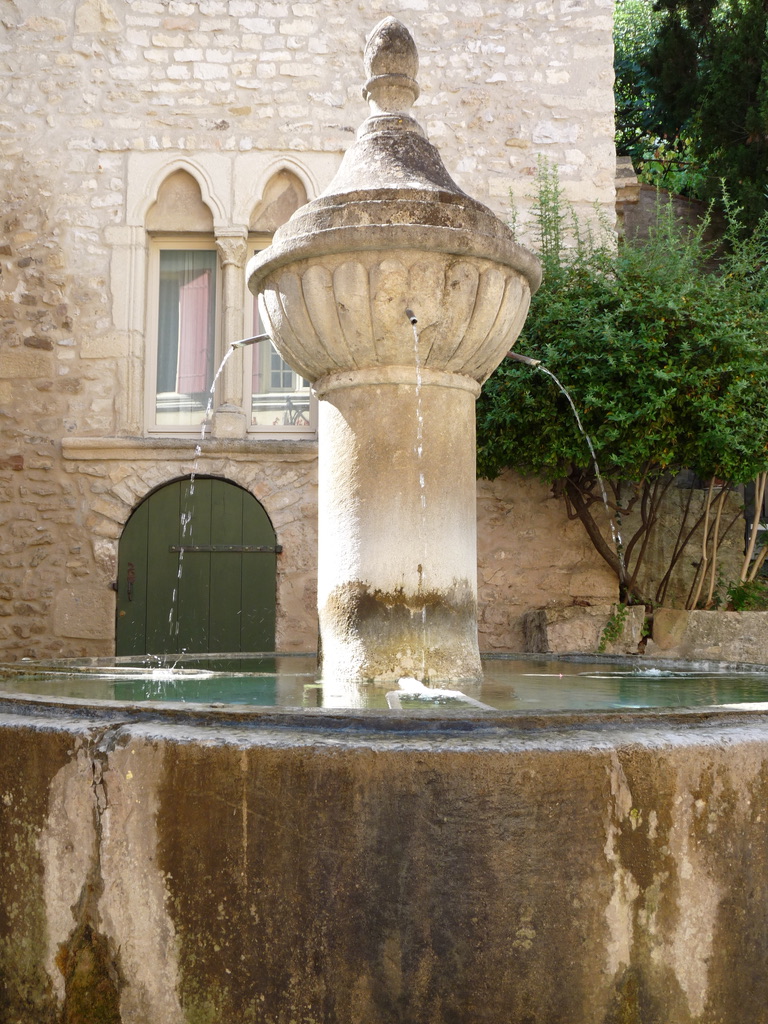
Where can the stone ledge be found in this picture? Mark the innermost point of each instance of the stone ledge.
(165, 449)
(710, 636)
(579, 630)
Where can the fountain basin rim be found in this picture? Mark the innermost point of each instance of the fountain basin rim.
(351, 239)
(432, 732)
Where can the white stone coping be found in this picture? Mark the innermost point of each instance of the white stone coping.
(174, 449)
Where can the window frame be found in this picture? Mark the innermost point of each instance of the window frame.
(157, 244)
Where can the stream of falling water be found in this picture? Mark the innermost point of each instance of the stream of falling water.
(618, 543)
(419, 450)
(186, 514)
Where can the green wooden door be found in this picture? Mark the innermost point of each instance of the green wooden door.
(196, 572)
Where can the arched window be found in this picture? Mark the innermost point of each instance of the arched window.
(183, 347)
(193, 249)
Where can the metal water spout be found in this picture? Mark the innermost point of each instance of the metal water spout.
(397, 295)
(254, 340)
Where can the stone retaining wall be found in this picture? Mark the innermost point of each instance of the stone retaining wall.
(710, 636)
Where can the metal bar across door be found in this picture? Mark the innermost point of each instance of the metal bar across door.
(239, 548)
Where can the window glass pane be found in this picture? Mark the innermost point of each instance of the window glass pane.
(280, 398)
(185, 335)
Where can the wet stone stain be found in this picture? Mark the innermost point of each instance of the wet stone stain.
(28, 762)
(401, 621)
(88, 960)
(358, 604)
(91, 979)
(631, 1003)
(644, 834)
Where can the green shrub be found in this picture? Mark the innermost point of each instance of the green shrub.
(664, 358)
(751, 596)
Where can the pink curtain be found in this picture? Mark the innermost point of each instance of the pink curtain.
(194, 318)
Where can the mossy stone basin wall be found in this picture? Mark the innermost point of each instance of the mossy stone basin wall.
(174, 866)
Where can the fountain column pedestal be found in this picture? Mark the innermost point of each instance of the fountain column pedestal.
(397, 560)
(393, 241)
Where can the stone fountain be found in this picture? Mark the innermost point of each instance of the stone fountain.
(199, 862)
(396, 295)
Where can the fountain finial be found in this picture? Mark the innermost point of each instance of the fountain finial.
(391, 63)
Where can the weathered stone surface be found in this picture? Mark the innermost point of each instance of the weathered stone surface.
(569, 629)
(530, 556)
(609, 629)
(669, 627)
(22, 363)
(29, 762)
(396, 540)
(84, 613)
(710, 635)
(350, 310)
(599, 870)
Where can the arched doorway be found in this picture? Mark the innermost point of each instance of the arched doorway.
(196, 572)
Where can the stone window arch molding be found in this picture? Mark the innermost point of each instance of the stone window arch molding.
(232, 187)
(129, 271)
(250, 192)
(213, 178)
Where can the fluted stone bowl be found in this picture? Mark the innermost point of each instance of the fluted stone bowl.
(337, 286)
(347, 311)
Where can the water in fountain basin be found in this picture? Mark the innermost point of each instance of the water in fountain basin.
(510, 684)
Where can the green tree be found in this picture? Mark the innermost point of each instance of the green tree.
(692, 95)
(664, 358)
(636, 25)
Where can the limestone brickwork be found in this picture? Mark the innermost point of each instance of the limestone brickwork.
(101, 102)
(531, 556)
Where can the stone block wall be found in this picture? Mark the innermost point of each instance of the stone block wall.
(87, 81)
(530, 555)
(99, 100)
(638, 205)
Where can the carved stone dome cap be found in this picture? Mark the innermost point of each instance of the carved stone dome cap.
(390, 50)
(391, 63)
(392, 190)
